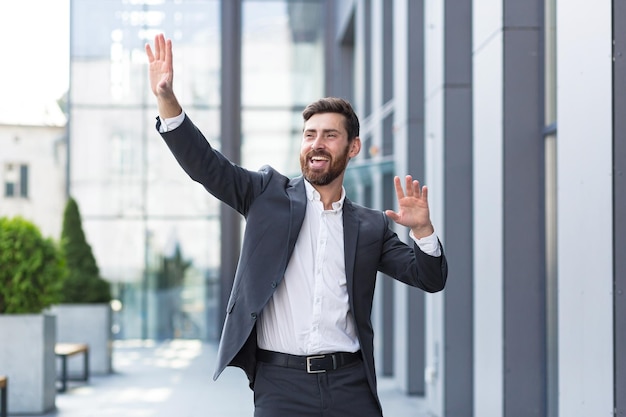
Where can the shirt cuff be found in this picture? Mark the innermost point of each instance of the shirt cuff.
(171, 123)
(428, 244)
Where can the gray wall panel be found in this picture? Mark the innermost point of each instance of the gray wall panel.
(230, 125)
(619, 203)
(523, 232)
(458, 315)
(520, 14)
(339, 50)
(415, 165)
(458, 174)
(416, 316)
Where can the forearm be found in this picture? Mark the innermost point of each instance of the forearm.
(432, 271)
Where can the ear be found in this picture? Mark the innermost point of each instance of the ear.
(355, 147)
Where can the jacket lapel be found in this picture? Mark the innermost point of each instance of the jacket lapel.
(350, 235)
(297, 200)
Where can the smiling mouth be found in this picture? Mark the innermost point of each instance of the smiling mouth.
(318, 161)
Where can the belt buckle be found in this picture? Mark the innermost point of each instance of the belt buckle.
(308, 364)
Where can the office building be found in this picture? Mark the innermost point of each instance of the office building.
(508, 111)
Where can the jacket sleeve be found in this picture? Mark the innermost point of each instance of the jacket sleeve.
(228, 182)
(409, 264)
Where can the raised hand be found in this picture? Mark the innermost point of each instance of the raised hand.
(161, 72)
(413, 211)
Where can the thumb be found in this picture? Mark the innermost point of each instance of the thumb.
(392, 215)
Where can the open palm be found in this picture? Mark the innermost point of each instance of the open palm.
(161, 69)
(413, 211)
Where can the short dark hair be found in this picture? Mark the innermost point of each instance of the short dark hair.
(335, 105)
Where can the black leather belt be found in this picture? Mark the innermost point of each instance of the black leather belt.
(312, 364)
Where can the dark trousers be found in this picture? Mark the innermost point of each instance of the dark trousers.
(286, 392)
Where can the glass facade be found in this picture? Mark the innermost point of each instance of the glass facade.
(154, 232)
(282, 72)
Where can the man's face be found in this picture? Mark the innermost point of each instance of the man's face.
(325, 150)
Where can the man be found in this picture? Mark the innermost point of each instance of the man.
(298, 319)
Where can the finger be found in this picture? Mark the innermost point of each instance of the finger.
(416, 188)
(398, 186)
(159, 46)
(156, 47)
(168, 51)
(149, 53)
(409, 185)
(425, 193)
(392, 215)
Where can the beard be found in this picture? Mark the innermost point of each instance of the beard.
(324, 177)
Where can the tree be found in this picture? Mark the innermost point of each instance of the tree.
(32, 268)
(84, 283)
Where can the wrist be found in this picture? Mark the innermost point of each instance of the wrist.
(423, 231)
(168, 106)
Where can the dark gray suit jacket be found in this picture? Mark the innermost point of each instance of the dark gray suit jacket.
(273, 206)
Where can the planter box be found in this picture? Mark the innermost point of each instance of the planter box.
(90, 324)
(27, 359)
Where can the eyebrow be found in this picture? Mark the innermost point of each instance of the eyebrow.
(323, 130)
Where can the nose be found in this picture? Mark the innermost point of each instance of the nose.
(317, 143)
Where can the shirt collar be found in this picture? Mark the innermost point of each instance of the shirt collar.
(313, 195)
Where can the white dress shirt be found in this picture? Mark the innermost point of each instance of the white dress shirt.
(309, 312)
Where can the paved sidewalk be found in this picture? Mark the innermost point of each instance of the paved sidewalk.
(174, 379)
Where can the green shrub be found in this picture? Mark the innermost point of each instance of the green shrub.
(32, 268)
(83, 284)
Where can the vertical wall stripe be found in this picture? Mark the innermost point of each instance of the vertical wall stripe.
(458, 296)
(487, 45)
(619, 203)
(339, 54)
(585, 206)
(434, 120)
(524, 295)
(409, 119)
(230, 127)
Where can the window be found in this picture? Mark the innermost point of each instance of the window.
(16, 180)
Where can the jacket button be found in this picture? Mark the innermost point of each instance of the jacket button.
(253, 315)
(274, 284)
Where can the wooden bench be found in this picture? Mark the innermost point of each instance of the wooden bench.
(64, 351)
(3, 396)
